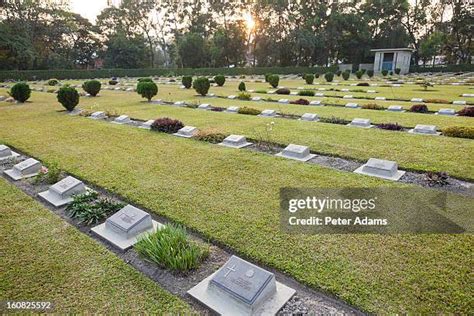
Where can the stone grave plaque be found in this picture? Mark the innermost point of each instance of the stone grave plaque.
(468, 95)
(321, 89)
(159, 101)
(309, 117)
(256, 99)
(446, 112)
(235, 141)
(380, 98)
(99, 115)
(179, 103)
(293, 93)
(122, 119)
(187, 132)
(147, 124)
(284, 101)
(204, 106)
(349, 96)
(211, 95)
(385, 169)
(371, 91)
(233, 109)
(352, 105)
(268, 113)
(25, 169)
(319, 94)
(424, 129)
(2, 98)
(61, 193)
(360, 122)
(232, 97)
(344, 90)
(296, 152)
(395, 108)
(7, 153)
(459, 102)
(315, 102)
(416, 100)
(118, 89)
(269, 92)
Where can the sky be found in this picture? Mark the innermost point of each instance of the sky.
(88, 8)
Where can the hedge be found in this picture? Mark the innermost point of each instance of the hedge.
(443, 68)
(109, 73)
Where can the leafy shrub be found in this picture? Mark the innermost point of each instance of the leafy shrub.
(145, 80)
(372, 106)
(384, 72)
(390, 126)
(218, 109)
(419, 108)
(220, 80)
(363, 84)
(334, 120)
(242, 86)
(359, 74)
(170, 248)
(346, 75)
(370, 73)
(306, 93)
(391, 73)
(436, 101)
(267, 77)
(459, 131)
(273, 80)
(210, 136)
(249, 111)
(244, 96)
(166, 125)
(397, 71)
(300, 101)
(68, 97)
(113, 82)
(88, 208)
(338, 73)
(53, 82)
(147, 89)
(283, 91)
(187, 81)
(20, 92)
(467, 111)
(261, 91)
(309, 78)
(329, 76)
(92, 87)
(49, 174)
(201, 85)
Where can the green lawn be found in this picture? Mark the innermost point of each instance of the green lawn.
(232, 197)
(45, 259)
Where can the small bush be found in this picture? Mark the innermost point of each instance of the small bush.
(384, 72)
(274, 80)
(317, 75)
(370, 73)
(309, 78)
(201, 85)
(170, 248)
(306, 93)
(338, 73)
(419, 108)
(88, 208)
(283, 91)
(436, 101)
(187, 81)
(359, 74)
(242, 86)
(390, 126)
(372, 106)
(300, 101)
(53, 82)
(166, 125)
(267, 77)
(329, 76)
(397, 71)
(220, 80)
(459, 131)
(467, 111)
(391, 73)
(244, 96)
(145, 80)
(261, 91)
(113, 82)
(92, 87)
(20, 92)
(210, 136)
(49, 174)
(249, 111)
(346, 75)
(147, 89)
(437, 178)
(68, 97)
(334, 120)
(363, 84)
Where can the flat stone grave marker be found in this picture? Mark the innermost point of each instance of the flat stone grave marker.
(371, 91)
(319, 94)
(211, 95)
(424, 129)
(124, 228)
(395, 108)
(159, 101)
(468, 95)
(349, 96)
(7, 153)
(204, 106)
(62, 192)
(233, 109)
(309, 117)
(459, 102)
(242, 288)
(122, 119)
(360, 122)
(179, 103)
(268, 113)
(284, 101)
(446, 112)
(187, 132)
(380, 98)
(300, 88)
(147, 124)
(315, 102)
(379, 168)
(352, 105)
(130, 89)
(235, 141)
(118, 89)
(2, 98)
(25, 169)
(232, 97)
(99, 115)
(251, 91)
(344, 90)
(296, 152)
(293, 93)
(256, 99)
(416, 100)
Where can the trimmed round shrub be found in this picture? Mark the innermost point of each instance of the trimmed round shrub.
(467, 111)
(187, 81)
(316, 75)
(363, 84)
(283, 91)
(267, 76)
(201, 85)
(220, 80)
(459, 131)
(249, 111)
(372, 106)
(20, 92)
(329, 76)
(166, 125)
(309, 78)
(346, 75)
(147, 89)
(419, 108)
(242, 86)
(53, 82)
(300, 101)
(92, 87)
(359, 74)
(384, 72)
(370, 73)
(113, 82)
(306, 93)
(68, 97)
(145, 80)
(397, 71)
(338, 73)
(273, 80)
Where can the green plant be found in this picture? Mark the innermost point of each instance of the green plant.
(147, 89)
(390, 126)
(300, 101)
(329, 76)
(316, 75)
(309, 78)
(49, 174)
(467, 111)
(359, 74)
(220, 80)
(334, 120)
(249, 111)
(170, 248)
(306, 93)
(187, 81)
(283, 91)
(145, 80)
(346, 75)
(436, 101)
(372, 106)
(242, 86)
(338, 73)
(261, 91)
(113, 82)
(244, 96)
(419, 108)
(267, 77)
(201, 85)
(92, 87)
(273, 80)
(397, 71)
(210, 136)
(370, 73)
(20, 92)
(166, 125)
(68, 97)
(384, 72)
(88, 208)
(426, 84)
(53, 82)
(363, 84)
(459, 131)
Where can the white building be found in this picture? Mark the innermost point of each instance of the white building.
(392, 58)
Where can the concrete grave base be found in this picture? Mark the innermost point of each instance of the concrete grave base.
(412, 131)
(13, 155)
(395, 177)
(18, 176)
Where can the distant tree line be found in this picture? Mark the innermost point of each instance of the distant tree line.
(44, 34)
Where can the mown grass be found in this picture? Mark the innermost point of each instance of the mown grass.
(232, 197)
(45, 259)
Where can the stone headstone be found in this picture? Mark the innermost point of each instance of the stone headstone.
(321, 89)
(187, 132)
(130, 89)
(395, 108)
(380, 98)
(416, 100)
(268, 113)
(459, 102)
(344, 90)
(10, 100)
(2, 98)
(233, 109)
(122, 119)
(293, 93)
(99, 115)
(371, 91)
(468, 95)
(7, 153)
(211, 95)
(446, 112)
(384, 169)
(204, 106)
(256, 99)
(179, 103)
(296, 152)
(269, 92)
(360, 122)
(284, 101)
(319, 94)
(232, 97)
(147, 124)
(424, 129)
(25, 169)
(315, 102)
(309, 117)
(62, 192)
(396, 85)
(349, 96)
(158, 101)
(235, 141)
(118, 89)
(352, 105)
